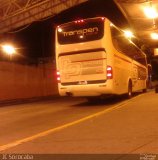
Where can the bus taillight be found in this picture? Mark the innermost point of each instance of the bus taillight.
(58, 76)
(109, 72)
(79, 21)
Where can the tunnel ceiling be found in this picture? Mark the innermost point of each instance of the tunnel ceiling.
(17, 13)
(134, 11)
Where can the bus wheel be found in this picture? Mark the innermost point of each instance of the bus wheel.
(129, 94)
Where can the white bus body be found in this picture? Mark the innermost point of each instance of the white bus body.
(92, 60)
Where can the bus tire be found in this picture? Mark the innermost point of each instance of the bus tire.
(129, 93)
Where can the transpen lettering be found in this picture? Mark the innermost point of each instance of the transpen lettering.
(81, 31)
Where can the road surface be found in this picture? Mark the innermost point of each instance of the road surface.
(74, 126)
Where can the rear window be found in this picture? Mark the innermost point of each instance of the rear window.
(81, 31)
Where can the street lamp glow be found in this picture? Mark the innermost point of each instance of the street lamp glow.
(8, 49)
(154, 36)
(150, 12)
(128, 34)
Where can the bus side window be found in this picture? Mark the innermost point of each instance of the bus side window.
(126, 47)
(139, 57)
(121, 43)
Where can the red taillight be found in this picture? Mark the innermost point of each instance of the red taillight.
(109, 72)
(79, 21)
(58, 76)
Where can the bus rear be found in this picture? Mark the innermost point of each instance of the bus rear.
(81, 58)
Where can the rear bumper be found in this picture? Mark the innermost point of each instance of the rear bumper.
(86, 90)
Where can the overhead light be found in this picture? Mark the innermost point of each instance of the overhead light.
(154, 36)
(128, 34)
(8, 49)
(155, 51)
(150, 12)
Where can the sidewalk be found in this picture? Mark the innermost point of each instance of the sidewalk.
(27, 100)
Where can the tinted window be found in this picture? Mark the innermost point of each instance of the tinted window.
(126, 46)
(85, 30)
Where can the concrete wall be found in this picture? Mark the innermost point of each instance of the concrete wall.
(23, 81)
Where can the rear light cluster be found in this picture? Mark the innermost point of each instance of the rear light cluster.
(109, 72)
(58, 76)
(79, 21)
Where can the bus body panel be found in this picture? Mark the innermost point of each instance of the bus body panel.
(83, 67)
(87, 90)
(122, 72)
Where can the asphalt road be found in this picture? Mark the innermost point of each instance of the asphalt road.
(74, 126)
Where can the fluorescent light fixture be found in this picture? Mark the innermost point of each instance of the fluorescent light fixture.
(150, 12)
(128, 34)
(154, 36)
(8, 49)
(155, 51)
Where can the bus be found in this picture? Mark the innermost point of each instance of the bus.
(96, 58)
